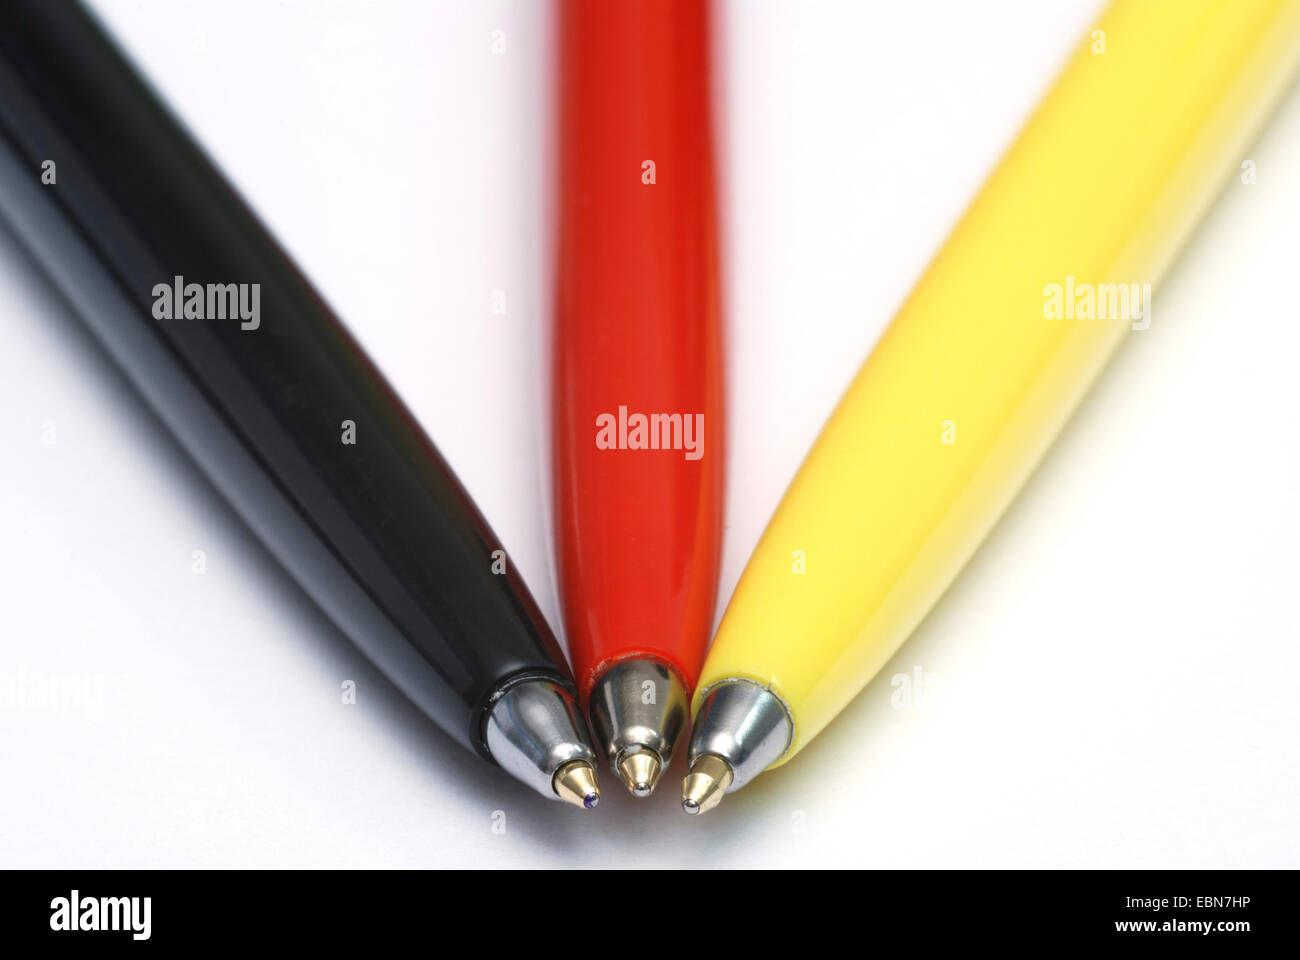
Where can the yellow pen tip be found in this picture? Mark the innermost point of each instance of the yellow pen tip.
(706, 784)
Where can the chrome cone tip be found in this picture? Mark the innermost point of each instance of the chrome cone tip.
(638, 710)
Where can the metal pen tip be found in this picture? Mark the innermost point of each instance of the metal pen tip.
(575, 783)
(638, 710)
(706, 784)
(640, 771)
(741, 729)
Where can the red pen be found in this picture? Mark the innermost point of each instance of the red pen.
(638, 403)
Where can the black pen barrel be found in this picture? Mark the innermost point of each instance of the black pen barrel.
(255, 375)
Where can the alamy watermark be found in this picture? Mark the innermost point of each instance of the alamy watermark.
(654, 431)
(26, 691)
(213, 301)
(75, 913)
(1098, 301)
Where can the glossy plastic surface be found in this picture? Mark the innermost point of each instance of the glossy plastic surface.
(378, 532)
(637, 330)
(972, 380)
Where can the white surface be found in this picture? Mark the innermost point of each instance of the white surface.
(1117, 665)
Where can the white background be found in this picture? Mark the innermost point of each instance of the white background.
(1115, 672)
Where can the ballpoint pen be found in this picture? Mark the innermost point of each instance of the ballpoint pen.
(266, 390)
(1050, 266)
(637, 373)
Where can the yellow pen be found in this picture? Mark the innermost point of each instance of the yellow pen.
(1050, 267)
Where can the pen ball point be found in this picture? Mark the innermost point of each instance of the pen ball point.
(575, 783)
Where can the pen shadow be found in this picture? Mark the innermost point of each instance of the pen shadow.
(549, 824)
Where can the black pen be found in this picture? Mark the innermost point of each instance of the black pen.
(266, 390)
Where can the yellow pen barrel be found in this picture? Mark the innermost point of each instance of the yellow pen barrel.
(997, 343)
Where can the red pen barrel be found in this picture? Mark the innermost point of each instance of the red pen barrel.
(638, 426)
